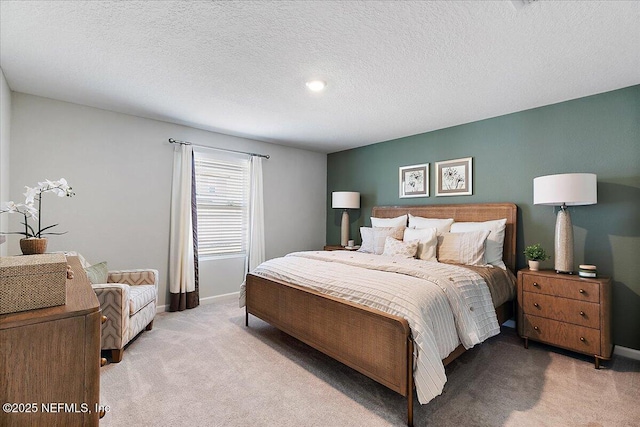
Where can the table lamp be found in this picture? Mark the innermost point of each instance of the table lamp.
(345, 200)
(569, 189)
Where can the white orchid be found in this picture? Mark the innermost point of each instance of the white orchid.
(29, 210)
(22, 208)
(31, 194)
(8, 207)
(61, 188)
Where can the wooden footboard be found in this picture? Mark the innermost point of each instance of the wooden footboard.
(372, 342)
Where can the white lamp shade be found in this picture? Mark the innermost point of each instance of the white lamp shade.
(571, 189)
(345, 200)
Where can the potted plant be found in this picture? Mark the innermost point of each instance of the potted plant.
(535, 254)
(33, 242)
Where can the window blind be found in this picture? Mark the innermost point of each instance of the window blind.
(222, 198)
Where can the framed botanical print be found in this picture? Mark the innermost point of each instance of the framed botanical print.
(454, 177)
(414, 181)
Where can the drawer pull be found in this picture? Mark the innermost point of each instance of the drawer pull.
(581, 291)
(103, 361)
(103, 319)
(103, 412)
(535, 304)
(582, 313)
(536, 328)
(536, 284)
(582, 339)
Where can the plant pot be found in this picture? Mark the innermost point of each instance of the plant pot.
(534, 265)
(33, 245)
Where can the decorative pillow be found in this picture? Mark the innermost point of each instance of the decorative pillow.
(400, 221)
(495, 241)
(393, 247)
(463, 248)
(97, 273)
(427, 242)
(366, 234)
(443, 225)
(380, 234)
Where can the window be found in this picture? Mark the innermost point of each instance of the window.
(222, 198)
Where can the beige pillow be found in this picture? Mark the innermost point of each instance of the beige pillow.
(380, 234)
(393, 247)
(443, 225)
(427, 242)
(463, 248)
(495, 241)
(399, 221)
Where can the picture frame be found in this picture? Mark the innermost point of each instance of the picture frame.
(414, 181)
(454, 177)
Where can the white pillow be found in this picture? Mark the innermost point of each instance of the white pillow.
(495, 241)
(428, 242)
(393, 247)
(400, 221)
(463, 248)
(366, 234)
(443, 225)
(380, 235)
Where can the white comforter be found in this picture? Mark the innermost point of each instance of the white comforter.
(444, 304)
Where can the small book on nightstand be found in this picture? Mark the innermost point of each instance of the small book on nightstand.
(341, 248)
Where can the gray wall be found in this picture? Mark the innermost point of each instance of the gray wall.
(598, 134)
(5, 139)
(120, 167)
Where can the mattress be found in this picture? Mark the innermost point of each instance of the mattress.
(444, 304)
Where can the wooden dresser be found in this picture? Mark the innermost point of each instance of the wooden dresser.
(566, 311)
(51, 357)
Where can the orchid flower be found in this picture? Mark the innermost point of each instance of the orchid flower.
(8, 207)
(30, 211)
(32, 194)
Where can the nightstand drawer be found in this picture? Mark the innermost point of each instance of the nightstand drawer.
(572, 337)
(562, 309)
(568, 288)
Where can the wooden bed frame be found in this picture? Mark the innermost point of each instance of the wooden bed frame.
(374, 343)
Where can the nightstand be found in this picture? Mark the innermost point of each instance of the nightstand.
(340, 248)
(566, 311)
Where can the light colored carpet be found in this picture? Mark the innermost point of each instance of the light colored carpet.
(202, 367)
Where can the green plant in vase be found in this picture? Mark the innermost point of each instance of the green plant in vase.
(535, 254)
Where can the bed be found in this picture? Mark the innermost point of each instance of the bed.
(376, 343)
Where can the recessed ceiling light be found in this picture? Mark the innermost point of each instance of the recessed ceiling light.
(316, 85)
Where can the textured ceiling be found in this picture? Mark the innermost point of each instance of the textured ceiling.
(392, 68)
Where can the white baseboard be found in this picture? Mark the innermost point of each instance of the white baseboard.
(206, 300)
(627, 352)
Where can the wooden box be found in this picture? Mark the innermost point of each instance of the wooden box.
(32, 281)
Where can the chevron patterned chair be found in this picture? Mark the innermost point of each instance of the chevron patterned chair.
(128, 300)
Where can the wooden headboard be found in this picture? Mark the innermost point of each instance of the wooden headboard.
(465, 213)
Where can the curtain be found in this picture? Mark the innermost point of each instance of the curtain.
(183, 251)
(256, 251)
(256, 254)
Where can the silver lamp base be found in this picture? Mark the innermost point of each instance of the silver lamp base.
(564, 242)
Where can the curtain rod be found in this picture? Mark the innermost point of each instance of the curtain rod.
(175, 141)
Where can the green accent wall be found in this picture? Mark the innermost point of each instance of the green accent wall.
(598, 134)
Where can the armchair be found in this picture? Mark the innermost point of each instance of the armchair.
(128, 300)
